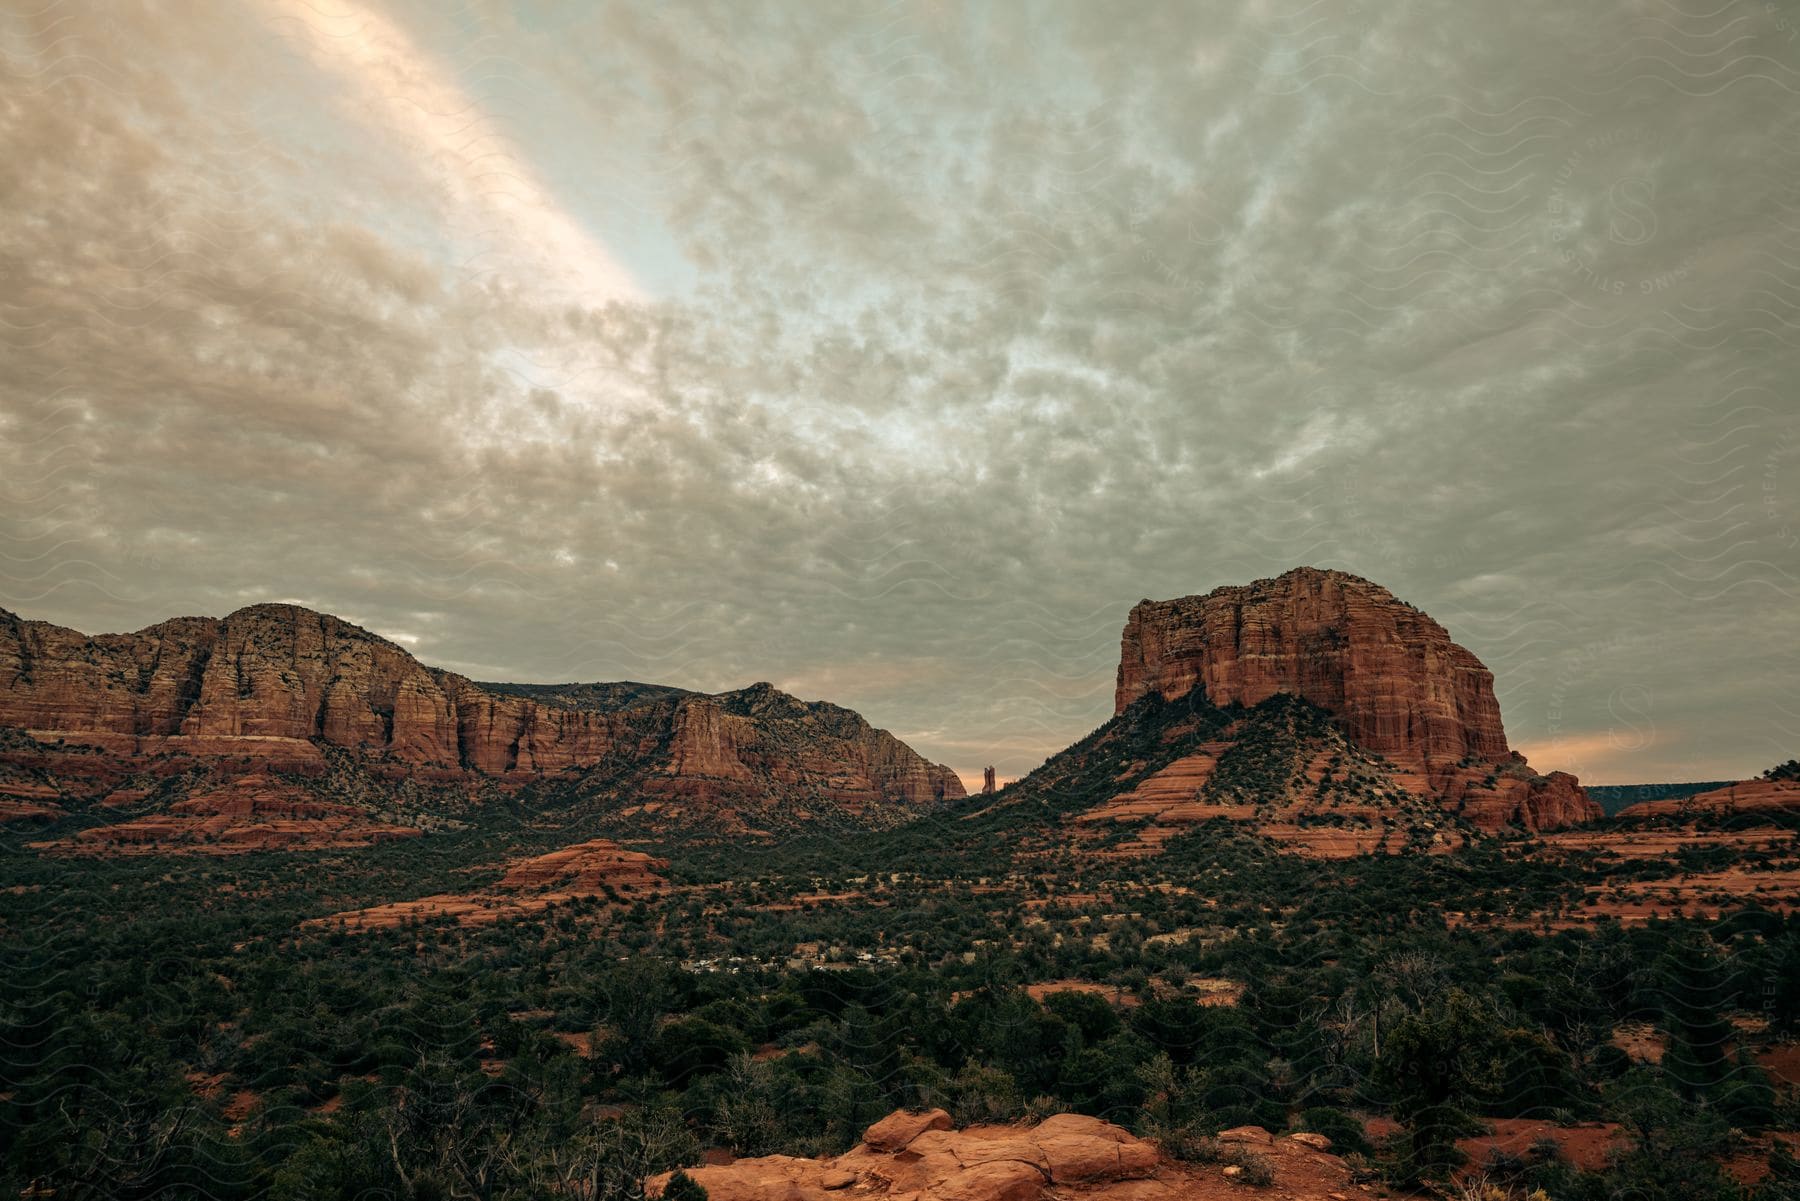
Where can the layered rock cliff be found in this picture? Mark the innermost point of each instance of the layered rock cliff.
(1390, 675)
(278, 672)
(1389, 672)
(276, 683)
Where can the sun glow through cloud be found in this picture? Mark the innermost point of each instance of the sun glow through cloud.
(504, 217)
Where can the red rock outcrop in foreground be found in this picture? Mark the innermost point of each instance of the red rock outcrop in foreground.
(919, 1157)
(1391, 675)
(273, 683)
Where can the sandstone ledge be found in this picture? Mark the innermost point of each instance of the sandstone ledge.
(918, 1156)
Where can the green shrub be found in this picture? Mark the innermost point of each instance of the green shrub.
(1344, 1131)
(683, 1187)
(1187, 1142)
(1253, 1169)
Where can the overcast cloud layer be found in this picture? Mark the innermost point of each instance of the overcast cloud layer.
(892, 352)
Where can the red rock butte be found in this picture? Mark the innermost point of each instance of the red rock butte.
(1389, 674)
(277, 685)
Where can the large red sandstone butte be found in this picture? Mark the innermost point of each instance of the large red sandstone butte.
(275, 683)
(1391, 676)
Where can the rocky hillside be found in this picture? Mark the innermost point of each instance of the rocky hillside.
(281, 688)
(1334, 717)
(595, 872)
(1614, 798)
(1774, 794)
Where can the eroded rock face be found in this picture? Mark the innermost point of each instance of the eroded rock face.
(1557, 800)
(142, 683)
(275, 682)
(1389, 674)
(265, 672)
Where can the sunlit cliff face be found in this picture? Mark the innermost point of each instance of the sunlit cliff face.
(892, 353)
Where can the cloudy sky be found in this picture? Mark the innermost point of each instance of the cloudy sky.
(892, 351)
